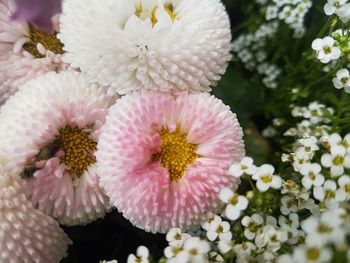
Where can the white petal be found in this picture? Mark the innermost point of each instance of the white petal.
(232, 212)
(225, 195)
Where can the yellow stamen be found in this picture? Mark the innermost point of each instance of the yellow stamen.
(48, 40)
(176, 153)
(78, 149)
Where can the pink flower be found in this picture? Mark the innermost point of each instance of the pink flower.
(38, 12)
(49, 131)
(25, 52)
(26, 234)
(164, 159)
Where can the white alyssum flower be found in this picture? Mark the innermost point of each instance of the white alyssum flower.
(344, 185)
(336, 160)
(142, 256)
(323, 230)
(315, 112)
(219, 229)
(166, 45)
(225, 246)
(244, 250)
(235, 203)
(332, 6)
(311, 175)
(342, 80)
(325, 49)
(194, 250)
(266, 179)
(344, 13)
(246, 166)
(252, 225)
(329, 193)
(176, 238)
(288, 205)
(271, 237)
(336, 140)
(312, 254)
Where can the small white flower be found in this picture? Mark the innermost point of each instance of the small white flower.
(271, 12)
(320, 231)
(171, 252)
(235, 203)
(271, 237)
(325, 49)
(292, 222)
(288, 205)
(344, 184)
(311, 175)
(245, 167)
(194, 250)
(142, 256)
(219, 228)
(336, 140)
(225, 246)
(176, 238)
(312, 254)
(266, 179)
(252, 225)
(337, 160)
(206, 224)
(329, 193)
(342, 80)
(309, 143)
(344, 13)
(244, 249)
(332, 6)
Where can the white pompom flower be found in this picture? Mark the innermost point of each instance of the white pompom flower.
(148, 44)
(49, 132)
(26, 234)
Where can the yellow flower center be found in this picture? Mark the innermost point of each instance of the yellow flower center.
(329, 194)
(48, 40)
(266, 179)
(143, 14)
(78, 149)
(234, 199)
(176, 153)
(338, 160)
(313, 254)
(322, 228)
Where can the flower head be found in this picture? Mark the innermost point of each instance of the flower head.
(26, 234)
(325, 49)
(163, 159)
(219, 229)
(266, 179)
(166, 45)
(142, 256)
(25, 51)
(49, 134)
(342, 80)
(235, 203)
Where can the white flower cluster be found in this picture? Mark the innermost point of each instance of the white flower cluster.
(292, 12)
(185, 248)
(250, 49)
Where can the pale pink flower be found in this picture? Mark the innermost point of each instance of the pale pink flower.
(163, 159)
(26, 234)
(49, 131)
(22, 56)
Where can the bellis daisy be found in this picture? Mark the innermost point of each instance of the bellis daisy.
(49, 132)
(26, 234)
(25, 52)
(163, 159)
(148, 44)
